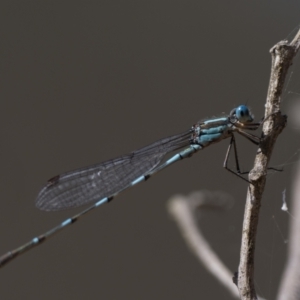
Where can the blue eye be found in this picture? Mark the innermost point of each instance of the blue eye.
(243, 114)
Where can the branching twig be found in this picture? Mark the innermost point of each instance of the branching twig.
(282, 56)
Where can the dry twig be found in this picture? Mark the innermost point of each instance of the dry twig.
(282, 56)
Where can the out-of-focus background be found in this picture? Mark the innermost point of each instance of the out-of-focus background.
(86, 81)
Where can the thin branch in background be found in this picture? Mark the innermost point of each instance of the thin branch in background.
(290, 283)
(282, 56)
(183, 210)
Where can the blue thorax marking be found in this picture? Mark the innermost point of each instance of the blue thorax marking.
(214, 130)
(223, 120)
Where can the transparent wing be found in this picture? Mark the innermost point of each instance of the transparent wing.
(95, 182)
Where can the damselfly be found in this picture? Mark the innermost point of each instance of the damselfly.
(102, 182)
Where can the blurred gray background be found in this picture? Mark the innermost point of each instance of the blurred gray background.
(86, 81)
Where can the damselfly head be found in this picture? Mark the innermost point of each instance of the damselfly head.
(242, 114)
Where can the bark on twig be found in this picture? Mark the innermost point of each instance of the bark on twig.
(282, 56)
